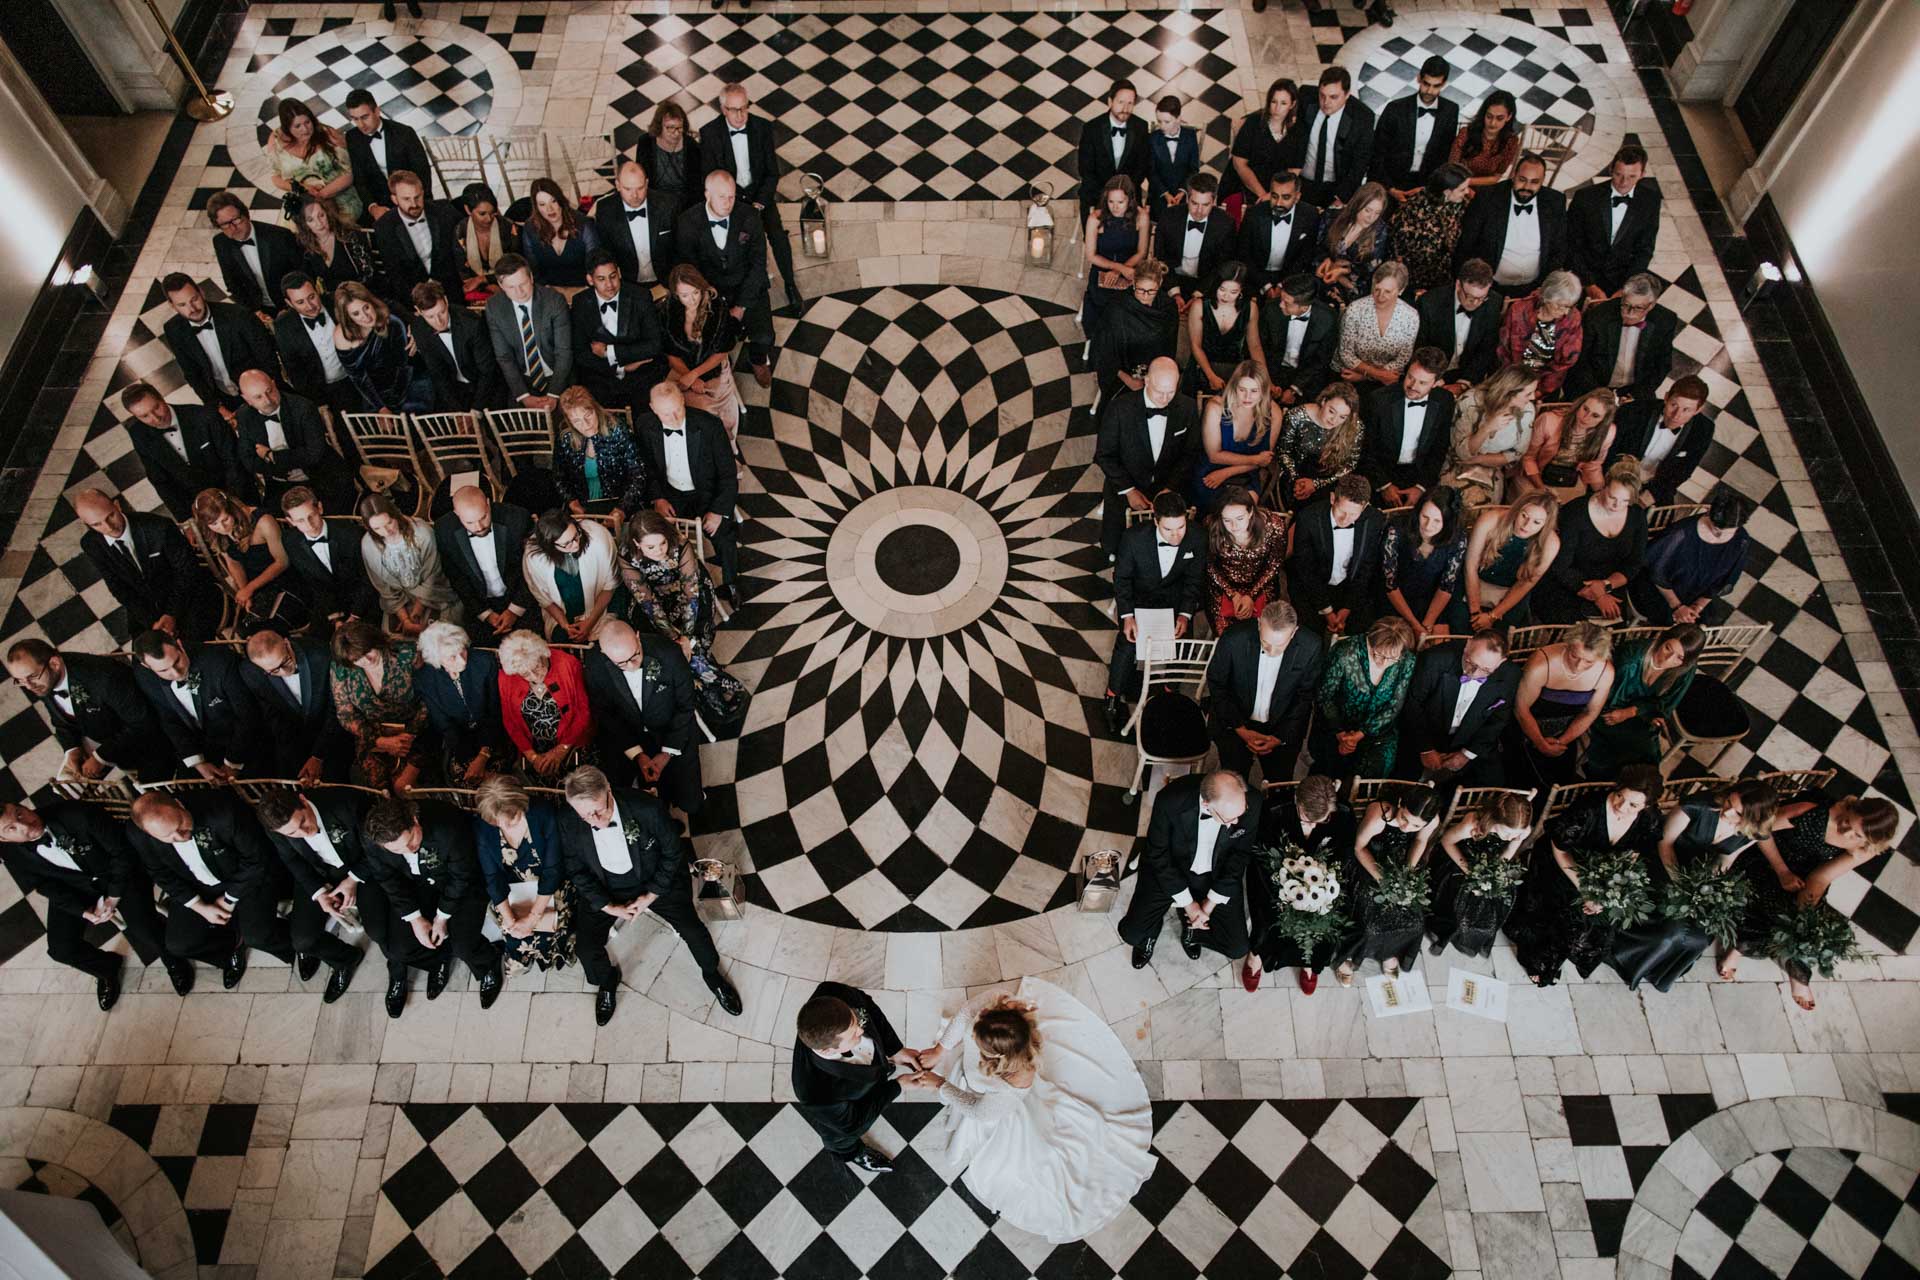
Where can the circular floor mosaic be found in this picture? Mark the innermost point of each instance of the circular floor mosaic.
(926, 636)
(1803, 1213)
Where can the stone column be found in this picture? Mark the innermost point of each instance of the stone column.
(1728, 37)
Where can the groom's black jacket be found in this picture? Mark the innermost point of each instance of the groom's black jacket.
(840, 1099)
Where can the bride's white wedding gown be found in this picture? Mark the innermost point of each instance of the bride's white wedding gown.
(1061, 1157)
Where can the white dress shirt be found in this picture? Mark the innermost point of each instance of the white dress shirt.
(1422, 129)
(1342, 555)
(210, 343)
(125, 543)
(377, 144)
(1119, 140)
(1156, 430)
(861, 1055)
(413, 868)
(1413, 421)
(1282, 234)
(1327, 127)
(1264, 677)
(719, 233)
(422, 236)
(176, 441)
(1618, 212)
(183, 695)
(322, 340)
(742, 161)
(1210, 828)
(292, 683)
(251, 252)
(1462, 702)
(1520, 258)
(446, 340)
(642, 236)
(637, 683)
(610, 847)
(49, 848)
(487, 556)
(1296, 338)
(322, 843)
(196, 864)
(1190, 249)
(1462, 322)
(1659, 445)
(277, 443)
(679, 470)
(1167, 551)
(1623, 363)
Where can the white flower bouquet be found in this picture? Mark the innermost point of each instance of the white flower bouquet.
(1309, 897)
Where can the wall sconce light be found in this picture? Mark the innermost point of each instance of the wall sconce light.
(87, 276)
(1039, 226)
(1764, 278)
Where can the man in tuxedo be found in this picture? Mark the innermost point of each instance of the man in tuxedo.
(1193, 238)
(532, 336)
(623, 857)
(378, 148)
(1115, 143)
(284, 442)
(1458, 704)
(1627, 343)
(642, 694)
(1339, 131)
(1194, 858)
(1296, 341)
(1458, 323)
(1279, 236)
(619, 348)
(1409, 427)
(152, 571)
(741, 146)
(1260, 685)
(723, 238)
(76, 856)
(1520, 226)
(204, 709)
(1611, 225)
(320, 845)
(691, 473)
(1335, 555)
(1416, 132)
(325, 556)
(185, 448)
(1161, 565)
(1669, 436)
(421, 854)
(214, 343)
(481, 543)
(419, 239)
(458, 352)
(304, 335)
(638, 233)
(253, 258)
(96, 711)
(1146, 444)
(291, 683)
(844, 1053)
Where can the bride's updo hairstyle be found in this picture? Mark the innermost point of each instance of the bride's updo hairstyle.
(1004, 1031)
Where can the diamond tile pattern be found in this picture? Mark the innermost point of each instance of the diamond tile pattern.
(1809, 1211)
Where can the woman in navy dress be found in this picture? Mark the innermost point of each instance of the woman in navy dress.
(1116, 244)
(461, 687)
(556, 239)
(517, 838)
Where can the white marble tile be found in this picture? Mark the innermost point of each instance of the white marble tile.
(1501, 1176)
(1485, 1093)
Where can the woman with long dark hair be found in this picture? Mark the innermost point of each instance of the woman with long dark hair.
(1421, 557)
(334, 251)
(1217, 330)
(247, 541)
(1263, 146)
(486, 235)
(1395, 833)
(1353, 243)
(556, 239)
(1490, 143)
(701, 336)
(1246, 560)
(310, 157)
(1117, 241)
(1559, 918)
(377, 352)
(670, 154)
(1651, 676)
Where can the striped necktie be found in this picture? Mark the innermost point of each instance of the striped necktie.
(530, 349)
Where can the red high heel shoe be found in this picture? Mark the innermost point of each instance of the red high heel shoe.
(1249, 979)
(1309, 980)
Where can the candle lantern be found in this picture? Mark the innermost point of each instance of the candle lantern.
(717, 891)
(1039, 226)
(1099, 879)
(816, 240)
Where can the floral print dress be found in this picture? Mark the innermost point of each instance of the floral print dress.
(676, 600)
(366, 714)
(541, 949)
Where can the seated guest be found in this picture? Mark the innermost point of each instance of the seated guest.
(1603, 548)
(1173, 155)
(1542, 330)
(1376, 337)
(1668, 436)
(1396, 831)
(690, 475)
(1518, 226)
(1355, 242)
(1457, 323)
(619, 349)
(1469, 919)
(486, 236)
(418, 239)
(1136, 329)
(1411, 140)
(1313, 821)
(1422, 556)
(317, 837)
(670, 590)
(555, 239)
(1458, 707)
(284, 442)
(1117, 241)
(76, 856)
(1146, 445)
(1335, 554)
(1427, 225)
(403, 563)
(1569, 442)
(1217, 330)
(543, 702)
(1490, 143)
(725, 241)
(422, 857)
(517, 839)
(372, 345)
(1705, 831)
(185, 448)
(1627, 343)
(304, 334)
(595, 461)
(151, 571)
(252, 258)
(1246, 560)
(376, 700)
(635, 229)
(214, 343)
(480, 546)
(1694, 563)
(1507, 554)
(333, 251)
(202, 705)
(1261, 682)
(1338, 133)
(1280, 237)
(569, 569)
(1409, 426)
(1294, 341)
(532, 335)
(642, 690)
(670, 155)
(1237, 432)
(1265, 148)
(624, 857)
(247, 543)
(700, 338)
(1611, 226)
(1161, 565)
(461, 688)
(1492, 432)
(1113, 144)
(1318, 444)
(291, 682)
(1562, 691)
(96, 711)
(1553, 922)
(1194, 858)
(312, 160)
(1362, 690)
(1194, 239)
(1651, 676)
(326, 561)
(454, 350)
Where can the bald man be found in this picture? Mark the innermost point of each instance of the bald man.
(642, 694)
(149, 568)
(1147, 443)
(636, 229)
(1194, 860)
(284, 443)
(216, 870)
(481, 542)
(740, 145)
(725, 239)
(691, 474)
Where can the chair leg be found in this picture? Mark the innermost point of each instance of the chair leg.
(1139, 771)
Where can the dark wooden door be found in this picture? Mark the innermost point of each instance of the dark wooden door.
(1788, 64)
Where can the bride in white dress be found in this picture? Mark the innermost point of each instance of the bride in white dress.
(1044, 1109)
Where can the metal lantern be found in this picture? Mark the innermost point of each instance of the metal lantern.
(1039, 226)
(816, 240)
(1099, 879)
(717, 891)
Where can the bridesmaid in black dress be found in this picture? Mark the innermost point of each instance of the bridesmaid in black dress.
(1397, 830)
(1470, 922)
(1312, 822)
(1553, 923)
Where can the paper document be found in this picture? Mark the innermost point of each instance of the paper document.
(1391, 996)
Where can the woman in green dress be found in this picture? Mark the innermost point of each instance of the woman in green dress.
(309, 157)
(375, 700)
(1650, 678)
(1361, 693)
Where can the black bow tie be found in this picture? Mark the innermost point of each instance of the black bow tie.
(1620, 200)
(315, 322)
(1299, 319)
(312, 541)
(1416, 404)
(375, 135)
(1283, 219)
(641, 212)
(480, 537)
(722, 223)
(202, 327)
(736, 133)
(674, 431)
(250, 240)
(1196, 226)
(1461, 311)
(1119, 131)
(1519, 208)
(178, 684)
(610, 304)
(1169, 546)
(1427, 111)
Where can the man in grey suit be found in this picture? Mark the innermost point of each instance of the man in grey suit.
(532, 335)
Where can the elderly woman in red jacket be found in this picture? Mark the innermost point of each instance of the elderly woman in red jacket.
(543, 701)
(1542, 331)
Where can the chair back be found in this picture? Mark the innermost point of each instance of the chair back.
(115, 795)
(1553, 143)
(522, 437)
(1788, 783)
(1135, 516)
(1522, 641)
(1660, 517)
(1567, 794)
(183, 785)
(454, 444)
(1175, 664)
(1729, 645)
(460, 159)
(461, 798)
(1467, 799)
(1364, 791)
(254, 790)
(385, 440)
(1279, 790)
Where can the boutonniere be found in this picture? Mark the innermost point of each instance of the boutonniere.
(631, 830)
(1496, 706)
(650, 670)
(204, 841)
(338, 835)
(860, 1016)
(193, 683)
(429, 858)
(78, 695)
(740, 238)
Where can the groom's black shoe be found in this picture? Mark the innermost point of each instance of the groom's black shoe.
(1143, 952)
(872, 1161)
(1189, 943)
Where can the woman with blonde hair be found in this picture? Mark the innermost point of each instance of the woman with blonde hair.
(1492, 431)
(247, 541)
(1354, 242)
(1237, 433)
(701, 335)
(1507, 554)
(1377, 336)
(1357, 707)
(1570, 444)
(543, 702)
(596, 461)
(403, 563)
(1562, 690)
(517, 838)
(1318, 443)
(1603, 548)
(377, 351)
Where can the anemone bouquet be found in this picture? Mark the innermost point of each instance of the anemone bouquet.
(1308, 893)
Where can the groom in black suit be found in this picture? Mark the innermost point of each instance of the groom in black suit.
(843, 1061)
(1195, 858)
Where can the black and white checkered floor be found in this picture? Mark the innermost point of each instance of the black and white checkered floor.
(1810, 1212)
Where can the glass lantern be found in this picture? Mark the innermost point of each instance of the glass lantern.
(1099, 879)
(816, 239)
(1039, 226)
(718, 893)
